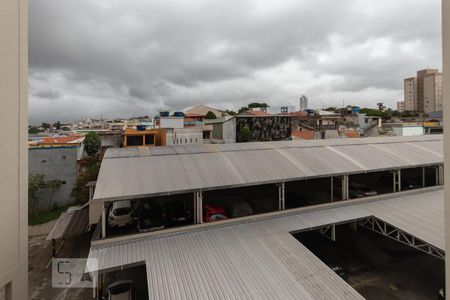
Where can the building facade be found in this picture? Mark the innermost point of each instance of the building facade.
(14, 149)
(55, 163)
(423, 93)
(410, 94)
(303, 103)
(401, 106)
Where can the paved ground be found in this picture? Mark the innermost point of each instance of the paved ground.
(417, 277)
(39, 276)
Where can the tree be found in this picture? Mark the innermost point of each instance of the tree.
(36, 185)
(46, 125)
(58, 125)
(257, 104)
(33, 130)
(381, 106)
(245, 133)
(242, 109)
(210, 115)
(230, 112)
(92, 143)
(65, 128)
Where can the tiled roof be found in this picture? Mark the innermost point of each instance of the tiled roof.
(303, 134)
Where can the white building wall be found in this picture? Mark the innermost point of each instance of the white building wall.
(171, 122)
(184, 136)
(13, 149)
(408, 131)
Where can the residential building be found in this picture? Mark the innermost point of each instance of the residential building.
(263, 128)
(184, 136)
(423, 93)
(14, 150)
(203, 110)
(432, 92)
(171, 122)
(223, 129)
(303, 103)
(144, 137)
(400, 106)
(410, 94)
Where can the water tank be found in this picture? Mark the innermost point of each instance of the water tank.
(164, 114)
(178, 114)
(356, 110)
(141, 127)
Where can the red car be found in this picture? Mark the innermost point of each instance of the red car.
(212, 213)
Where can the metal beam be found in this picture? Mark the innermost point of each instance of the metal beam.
(331, 188)
(439, 175)
(281, 196)
(397, 180)
(103, 220)
(198, 207)
(328, 231)
(423, 177)
(379, 226)
(344, 187)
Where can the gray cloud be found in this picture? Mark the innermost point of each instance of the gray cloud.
(124, 58)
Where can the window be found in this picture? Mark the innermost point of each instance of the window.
(135, 140)
(149, 139)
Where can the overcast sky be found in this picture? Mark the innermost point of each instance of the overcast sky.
(127, 58)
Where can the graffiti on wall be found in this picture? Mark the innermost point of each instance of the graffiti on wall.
(270, 128)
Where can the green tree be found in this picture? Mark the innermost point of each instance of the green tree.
(33, 130)
(210, 115)
(245, 133)
(46, 125)
(65, 128)
(92, 143)
(242, 109)
(257, 104)
(81, 192)
(36, 186)
(230, 112)
(58, 125)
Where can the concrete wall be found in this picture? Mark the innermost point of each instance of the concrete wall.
(13, 149)
(55, 163)
(270, 128)
(446, 95)
(171, 122)
(184, 136)
(408, 131)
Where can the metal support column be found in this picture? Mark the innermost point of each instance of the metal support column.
(198, 207)
(423, 177)
(281, 197)
(397, 180)
(103, 221)
(344, 187)
(440, 175)
(331, 188)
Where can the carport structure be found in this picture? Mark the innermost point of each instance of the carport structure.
(137, 173)
(258, 257)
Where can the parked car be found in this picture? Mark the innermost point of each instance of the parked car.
(178, 213)
(236, 206)
(120, 214)
(407, 183)
(150, 216)
(213, 213)
(358, 190)
(120, 290)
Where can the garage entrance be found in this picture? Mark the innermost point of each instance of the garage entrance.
(309, 192)
(376, 266)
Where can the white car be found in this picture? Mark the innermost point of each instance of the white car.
(120, 214)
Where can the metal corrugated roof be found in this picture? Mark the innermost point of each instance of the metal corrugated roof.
(70, 223)
(261, 259)
(131, 173)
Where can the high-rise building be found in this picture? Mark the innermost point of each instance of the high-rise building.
(401, 106)
(410, 92)
(424, 92)
(303, 103)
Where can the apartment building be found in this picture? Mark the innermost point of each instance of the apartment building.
(401, 106)
(13, 161)
(423, 93)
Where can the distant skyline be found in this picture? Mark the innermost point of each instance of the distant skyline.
(131, 58)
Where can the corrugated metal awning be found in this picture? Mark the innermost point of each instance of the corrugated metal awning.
(70, 223)
(261, 259)
(130, 173)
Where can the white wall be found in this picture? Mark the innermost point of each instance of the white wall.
(13, 149)
(408, 131)
(184, 136)
(171, 122)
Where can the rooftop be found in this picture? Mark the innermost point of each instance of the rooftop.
(138, 173)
